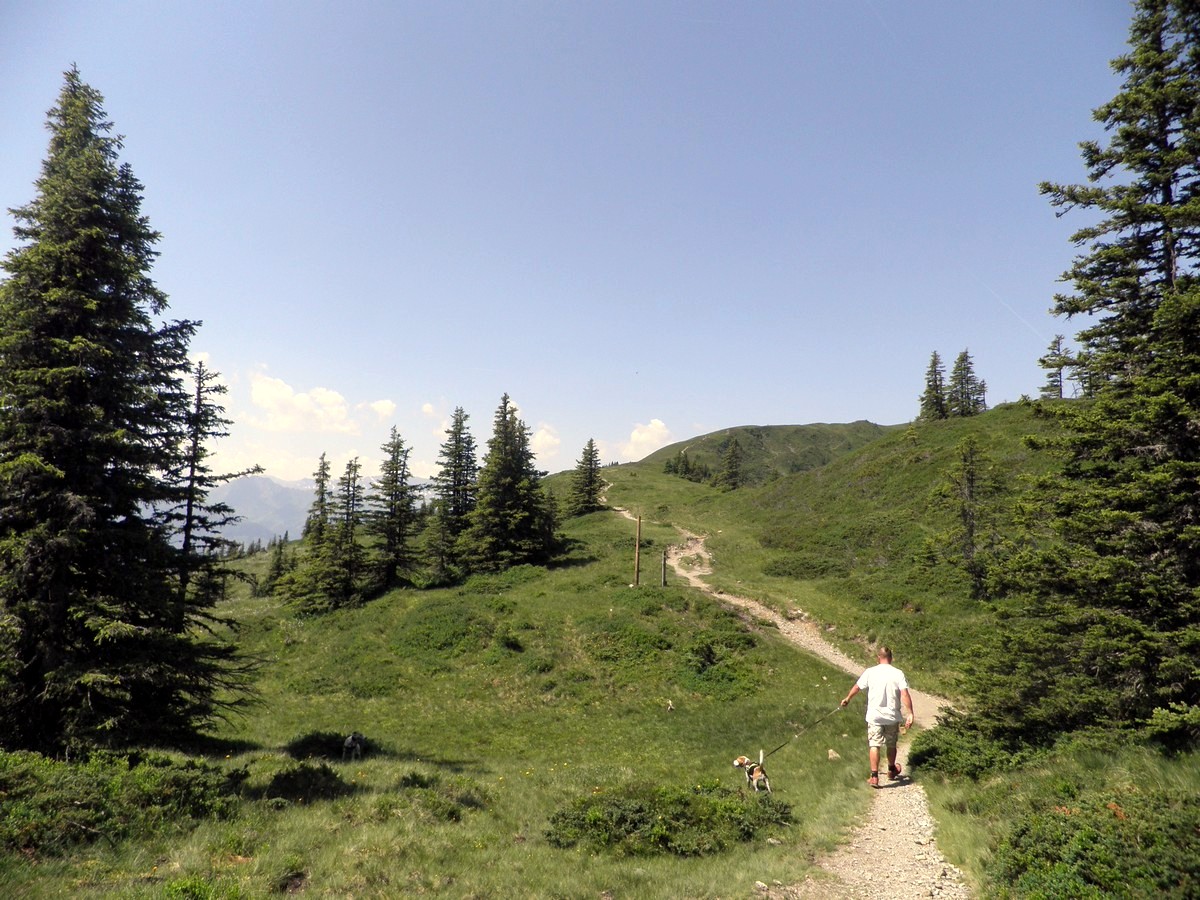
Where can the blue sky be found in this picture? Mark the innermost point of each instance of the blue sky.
(644, 221)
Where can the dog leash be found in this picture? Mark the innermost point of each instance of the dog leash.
(804, 729)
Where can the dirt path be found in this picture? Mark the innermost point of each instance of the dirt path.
(892, 854)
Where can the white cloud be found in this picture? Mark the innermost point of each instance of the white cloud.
(422, 468)
(383, 409)
(428, 409)
(545, 442)
(287, 410)
(645, 439)
(278, 462)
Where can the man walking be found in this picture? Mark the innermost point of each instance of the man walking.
(887, 691)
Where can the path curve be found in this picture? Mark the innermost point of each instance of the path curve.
(892, 853)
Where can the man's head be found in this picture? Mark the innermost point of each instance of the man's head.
(885, 654)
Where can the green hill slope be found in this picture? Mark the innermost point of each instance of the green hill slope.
(861, 542)
(771, 451)
(494, 712)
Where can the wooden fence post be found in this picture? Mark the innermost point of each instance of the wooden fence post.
(637, 554)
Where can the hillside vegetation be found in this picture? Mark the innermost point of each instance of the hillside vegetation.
(864, 543)
(507, 720)
(771, 451)
(558, 732)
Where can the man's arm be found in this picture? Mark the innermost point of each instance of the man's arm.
(854, 690)
(906, 701)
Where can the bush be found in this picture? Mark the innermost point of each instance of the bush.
(1104, 844)
(685, 821)
(306, 782)
(444, 626)
(316, 745)
(50, 806)
(956, 749)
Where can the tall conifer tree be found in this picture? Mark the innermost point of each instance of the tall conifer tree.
(1143, 188)
(513, 521)
(344, 553)
(730, 477)
(316, 525)
(1056, 361)
(389, 512)
(1106, 626)
(94, 415)
(456, 481)
(455, 486)
(195, 520)
(933, 399)
(586, 482)
(965, 393)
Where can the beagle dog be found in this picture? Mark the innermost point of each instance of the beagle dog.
(754, 772)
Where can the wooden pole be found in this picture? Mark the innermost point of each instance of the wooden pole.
(637, 554)
(664, 569)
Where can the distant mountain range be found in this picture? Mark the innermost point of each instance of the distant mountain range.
(271, 507)
(268, 506)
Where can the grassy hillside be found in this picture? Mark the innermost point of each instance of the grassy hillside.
(489, 709)
(858, 543)
(861, 545)
(772, 451)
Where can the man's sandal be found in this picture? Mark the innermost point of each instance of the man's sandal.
(873, 781)
(893, 772)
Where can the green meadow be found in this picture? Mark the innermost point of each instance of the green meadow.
(489, 708)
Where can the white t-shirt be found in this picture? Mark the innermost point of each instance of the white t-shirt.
(883, 684)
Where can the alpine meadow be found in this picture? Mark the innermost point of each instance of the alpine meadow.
(499, 683)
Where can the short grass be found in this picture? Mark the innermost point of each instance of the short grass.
(489, 707)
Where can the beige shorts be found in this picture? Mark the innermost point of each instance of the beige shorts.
(883, 735)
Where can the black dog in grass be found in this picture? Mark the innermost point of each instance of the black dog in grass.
(354, 746)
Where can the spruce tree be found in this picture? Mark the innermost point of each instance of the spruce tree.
(316, 524)
(100, 646)
(965, 393)
(195, 520)
(513, 520)
(344, 554)
(390, 515)
(314, 584)
(730, 476)
(1056, 361)
(1105, 623)
(1142, 193)
(970, 491)
(455, 486)
(586, 483)
(933, 400)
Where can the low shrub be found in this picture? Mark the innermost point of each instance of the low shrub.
(444, 626)
(51, 807)
(316, 745)
(1104, 844)
(684, 821)
(305, 782)
(955, 749)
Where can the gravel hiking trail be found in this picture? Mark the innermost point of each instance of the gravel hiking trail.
(892, 853)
